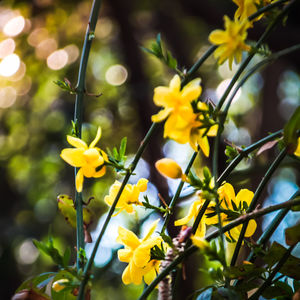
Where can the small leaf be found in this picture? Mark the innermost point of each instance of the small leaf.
(123, 147)
(266, 146)
(171, 61)
(292, 235)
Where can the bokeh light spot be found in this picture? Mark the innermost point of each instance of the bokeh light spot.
(57, 60)
(8, 97)
(27, 253)
(222, 88)
(9, 65)
(73, 53)
(7, 47)
(14, 26)
(37, 36)
(45, 48)
(116, 75)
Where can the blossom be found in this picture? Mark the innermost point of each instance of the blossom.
(169, 168)
(231, 41)
(137, 253)
(248, 7)
(174, 100)
(129, 196)
(244, 197)
(89, 159)
(192, 214)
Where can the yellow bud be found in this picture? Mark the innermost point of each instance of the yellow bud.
(202, 106)
(142, 184)
(168, 168)
(212, 183)
(59, 285)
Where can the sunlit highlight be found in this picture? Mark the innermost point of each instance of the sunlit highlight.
(14, 26)
(8, 97)
(57, 60)
(45, 48)
(222, 88)
(9, 65)
(73, 53)
(7, 47)
(116, 75)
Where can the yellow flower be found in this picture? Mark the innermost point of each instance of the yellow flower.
(231, 41)
(89, 159)
(129, 196)
(248, 7)
(169, 168)
(192, 214)
(227, 196)
(137, 253)
(200, 242)
(184, 128)
(297, 151)
(174, 100)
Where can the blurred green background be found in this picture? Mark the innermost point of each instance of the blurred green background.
(40, 42)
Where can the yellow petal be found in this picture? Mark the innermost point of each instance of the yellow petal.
(126, 278)
(125, 255)
(244, 195)
(127, 238)
(142, 184)
(193, 211)
(100, 173)
(226, 192)
(213, 130)
(136, 273)
(175, 84)
(73, 157)
(142, 255)
(151, 230)
(88, 171)
(79, 180)
(218, 37)
(204, 145)
(161, 115)
(161, 96)
(250, 228)
(200, 242)
(191, 91)
(97, 138)
(76, 142)
(150, 275)
(93, 157)
(168, 168)
(201, 230)
(297, 151)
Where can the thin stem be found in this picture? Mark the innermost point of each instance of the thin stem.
(137, 157)
(177, 193)
(233, 81)
(256, 196)
(277, 268)
(80, 89)
(253, 215)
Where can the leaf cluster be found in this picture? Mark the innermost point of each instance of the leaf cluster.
(117, 158)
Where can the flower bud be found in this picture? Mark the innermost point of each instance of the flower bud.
(169, 168)
(59, 285)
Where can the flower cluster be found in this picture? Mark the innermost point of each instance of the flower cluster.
(230, 205)
(183, 125)
(89, 159)
(129, 196)
(137, 253)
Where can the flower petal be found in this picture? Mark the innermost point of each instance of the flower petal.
(161, 115)
(161, 96)
(244, 195)
(127, 238)
(97, 138)
(250, 228)
(150, 230)
(73, 157)
(76, 142)
(204, 145)
(126, 278)
(125, 254)
(100, 173)
(218, 37)
(175, 84)
(142, 184)
(79, 180)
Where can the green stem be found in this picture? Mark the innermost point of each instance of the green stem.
(177, 193)
(253, 215)
(268, 282)
(80, 89)
(137, 157)
(256, 196)
(272, 227)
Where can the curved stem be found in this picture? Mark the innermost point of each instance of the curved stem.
(256, 196)
(245, 218)
(80, 88)
(177, 193)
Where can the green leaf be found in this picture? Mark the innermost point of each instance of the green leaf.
(290, 136)
(245, 271)
(171, 61)
(292, 235)
(206, 295)
(65, 85)
(296, 207)
(206, 173)
(278, 289)
(123, 147)
(231, 153)
(36, 281)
